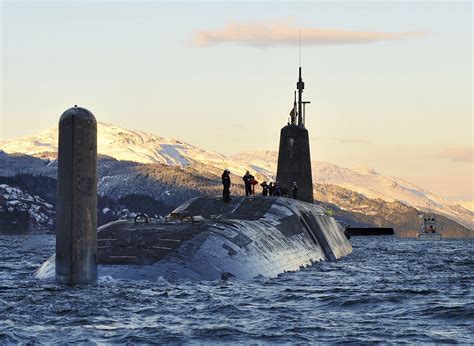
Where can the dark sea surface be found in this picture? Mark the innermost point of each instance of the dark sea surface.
(388, 290)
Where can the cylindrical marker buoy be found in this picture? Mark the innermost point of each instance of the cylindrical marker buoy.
(76, 209)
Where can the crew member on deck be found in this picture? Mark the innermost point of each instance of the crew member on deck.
(248, 178)
(277, 189)
(264, 186)
(294, 190)
(271, 188)
(226, 185)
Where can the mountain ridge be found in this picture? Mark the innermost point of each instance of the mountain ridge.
(126, 188)
(146, 148)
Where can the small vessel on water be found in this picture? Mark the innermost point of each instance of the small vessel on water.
(429, 228)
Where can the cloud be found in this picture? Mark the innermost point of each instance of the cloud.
(283, 31)
(462, 154)
(351, 140)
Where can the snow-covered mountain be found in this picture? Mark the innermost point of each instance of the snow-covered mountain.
(126, 145)
(374, 185)
(142, 147)
(369, 183)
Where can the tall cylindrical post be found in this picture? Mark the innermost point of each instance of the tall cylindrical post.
(76, 209)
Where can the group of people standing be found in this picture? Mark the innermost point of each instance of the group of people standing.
(270, 189)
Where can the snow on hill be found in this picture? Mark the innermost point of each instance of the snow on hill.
(369, 183)
(374, 185)
(119, 143)
(468, 205)
(41, 212)
(138, 146)
(126, 145)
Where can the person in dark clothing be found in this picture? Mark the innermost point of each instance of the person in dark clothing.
(277, 190)
(271, 188)
(294, 190)
(248, 178)
(226, 185)
(264, 186)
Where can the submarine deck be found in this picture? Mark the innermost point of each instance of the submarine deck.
(272, 224)
(130, 242)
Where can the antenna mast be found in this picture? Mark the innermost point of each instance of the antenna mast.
(300, 47)
(300, 87)
(301, 103)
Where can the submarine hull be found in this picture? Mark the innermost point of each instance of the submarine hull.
(207, 239)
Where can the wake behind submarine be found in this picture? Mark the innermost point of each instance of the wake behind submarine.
(204, 238)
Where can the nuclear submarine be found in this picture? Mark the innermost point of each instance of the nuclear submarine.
(206, 238)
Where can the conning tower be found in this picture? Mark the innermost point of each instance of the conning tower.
(294, 159)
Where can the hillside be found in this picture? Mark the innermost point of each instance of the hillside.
(137, 147)
(126, 188)
(357, 210)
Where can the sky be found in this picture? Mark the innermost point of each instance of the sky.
(390, 83)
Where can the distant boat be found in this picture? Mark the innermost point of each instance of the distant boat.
(429, 229)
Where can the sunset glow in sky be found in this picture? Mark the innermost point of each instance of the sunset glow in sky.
(390, 84)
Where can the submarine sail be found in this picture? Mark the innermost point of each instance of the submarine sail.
(294, 159)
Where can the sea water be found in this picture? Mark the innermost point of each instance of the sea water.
(388, 290)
